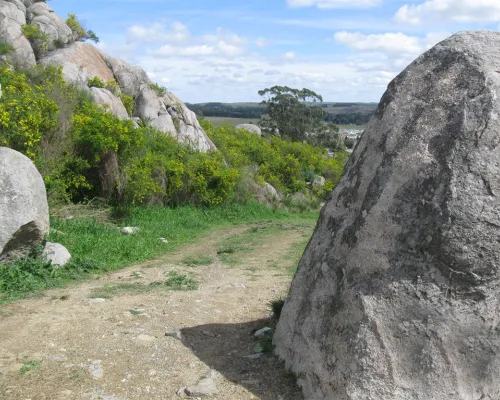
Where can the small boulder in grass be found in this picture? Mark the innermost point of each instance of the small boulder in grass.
(130, 230)
(56, 253)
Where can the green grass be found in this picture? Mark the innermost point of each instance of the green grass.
(176, 281)
(97, 245)
(5, 47)
(197, 261)
(29, 366)
(219, 121)
(111, 290)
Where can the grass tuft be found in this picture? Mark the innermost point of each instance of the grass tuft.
(29, 366)
(197, 261)
(178, 281)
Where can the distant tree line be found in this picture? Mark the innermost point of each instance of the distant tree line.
(227, 111)
(256, 111)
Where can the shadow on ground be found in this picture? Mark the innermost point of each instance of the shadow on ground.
(225, 347)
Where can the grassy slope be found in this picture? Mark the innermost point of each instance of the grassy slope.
(97, 247)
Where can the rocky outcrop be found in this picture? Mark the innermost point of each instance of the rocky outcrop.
(49, 23)
(80, 62)
(12, 17)
(24, 212)
(129, 78)
(250, 128)
(108, 100)
(397, 295)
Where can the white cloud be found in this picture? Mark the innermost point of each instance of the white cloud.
(449, 10)
(157, 32)
(328, 4)
(389, 44)
(261, 42)
(290, 55)
(222, 35)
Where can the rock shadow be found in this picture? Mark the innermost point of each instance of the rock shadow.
(226, 347)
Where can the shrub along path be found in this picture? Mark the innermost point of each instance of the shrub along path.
(105, 338)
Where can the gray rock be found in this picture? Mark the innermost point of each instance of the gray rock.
(255, 356)
(396, 296)
(80, 62)
(319, 181)
(97, 300)
(56, 253)
(177, 334)
(266, 194)
(110, 102)
(147, 105)
(263, 332)
(250, 128)
(130, 230)
(130, 78)
(95, 369)
(12, 17)
(24, 212)
(50, 23)
(204, 387)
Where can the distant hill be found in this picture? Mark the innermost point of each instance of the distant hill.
(338, 113)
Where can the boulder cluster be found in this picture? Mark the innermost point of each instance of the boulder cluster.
(81, 62)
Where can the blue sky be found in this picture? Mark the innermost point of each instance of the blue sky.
(227, 50)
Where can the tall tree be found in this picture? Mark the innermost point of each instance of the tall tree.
(295, 114)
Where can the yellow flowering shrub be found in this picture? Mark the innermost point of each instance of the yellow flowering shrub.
(26, 113)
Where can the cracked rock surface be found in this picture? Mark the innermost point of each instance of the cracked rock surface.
(397, 294)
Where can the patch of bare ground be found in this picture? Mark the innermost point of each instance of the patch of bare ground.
(105, 339)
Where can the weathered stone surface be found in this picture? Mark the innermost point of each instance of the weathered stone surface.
(266, 194)
(147, 103)
(319, 181)
(56, 253)
(129, 78)
(80, 61)
(24, 212)
(109, 101)
(250, 128)
(49, 23)
(397, 296)
(12, 17)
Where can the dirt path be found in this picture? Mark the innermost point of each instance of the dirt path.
(105, 339)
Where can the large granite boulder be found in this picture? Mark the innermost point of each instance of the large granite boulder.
(50, 23)
(397, 295)
(24, 212)
(110, 102)
(250, 128)
(12, 17)
(80, 62)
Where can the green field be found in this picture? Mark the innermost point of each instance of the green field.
(218, 121)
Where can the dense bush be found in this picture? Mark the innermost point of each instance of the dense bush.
(288, 166)
(84, 152)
